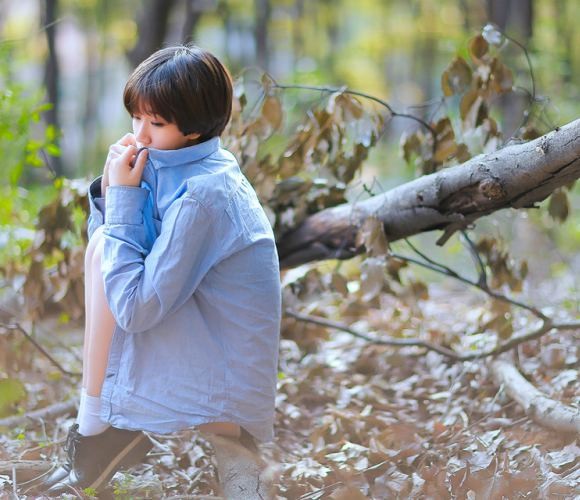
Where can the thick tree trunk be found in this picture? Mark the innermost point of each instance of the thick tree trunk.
(516, 176)
(152, 27)
(512, 15)
(515, 17)
(193, 14)
(263, 11)
(51, 73)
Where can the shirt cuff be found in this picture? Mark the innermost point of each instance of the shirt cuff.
(96, 199)
(124, 204)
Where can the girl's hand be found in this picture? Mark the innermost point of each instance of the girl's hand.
(115, 150)
(122, 172)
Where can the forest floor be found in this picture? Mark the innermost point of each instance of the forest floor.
(353, 420)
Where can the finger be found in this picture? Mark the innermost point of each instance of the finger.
(107, 165)
(140, 163)
(126, 157)
(127, 140)
(116, 150)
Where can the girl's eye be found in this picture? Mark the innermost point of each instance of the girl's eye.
(157, 124)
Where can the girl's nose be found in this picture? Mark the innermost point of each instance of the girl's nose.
(141, 134)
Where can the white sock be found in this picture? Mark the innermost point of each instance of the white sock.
(89, 416)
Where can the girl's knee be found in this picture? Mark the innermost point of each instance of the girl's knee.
(222, 428)
(98, 254)
(95, 266)
(94, 243)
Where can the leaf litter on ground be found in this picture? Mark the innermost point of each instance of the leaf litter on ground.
(357, 420)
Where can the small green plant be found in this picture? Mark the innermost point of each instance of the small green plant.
(90, 492)
(23, 142)
(123, 486)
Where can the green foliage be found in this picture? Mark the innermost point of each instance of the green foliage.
(12, 392)
(300, 164)
(49, 267)
(90, 492)
(23, 143)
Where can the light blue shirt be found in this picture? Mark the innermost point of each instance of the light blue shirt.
(192, 278)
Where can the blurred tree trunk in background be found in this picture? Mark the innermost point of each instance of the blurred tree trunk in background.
(151, 29)
(225, 14)
(51, 74)
(93, 90)
(424, 59)
(263, 11)
(331, 22)
(193, 13)
(298, 31)
(514, 17)
(566, 34)
(464, 7)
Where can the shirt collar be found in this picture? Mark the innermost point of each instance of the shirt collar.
(170, 158)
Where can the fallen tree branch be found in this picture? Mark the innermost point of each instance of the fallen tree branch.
(24, 470)
(46, 413)
(537, 405)
(517, 176)
(499, 349)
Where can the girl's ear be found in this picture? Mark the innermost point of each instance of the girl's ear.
(194, 136)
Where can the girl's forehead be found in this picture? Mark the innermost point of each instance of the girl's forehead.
(144, 107)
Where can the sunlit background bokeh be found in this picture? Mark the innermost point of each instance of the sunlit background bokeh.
(394, 49)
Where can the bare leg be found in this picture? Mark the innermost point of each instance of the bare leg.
(222, 428)
(93, 242)
(101, 326)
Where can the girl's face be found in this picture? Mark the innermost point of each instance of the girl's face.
(152, 131)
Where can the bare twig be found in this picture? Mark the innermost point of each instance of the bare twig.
(357, 93)
(501, 348)
(380, 341)
(511, 343)
(44, 27)
(477, 258)
(14, 483)
(530, 67)
(48, 164)
(18, 328)
(447, 271)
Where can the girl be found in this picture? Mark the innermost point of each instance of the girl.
(182, 280)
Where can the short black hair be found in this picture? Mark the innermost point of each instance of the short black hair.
(185, 85)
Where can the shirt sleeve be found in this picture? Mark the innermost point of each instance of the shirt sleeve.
(96, 207)
(144, 285)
